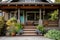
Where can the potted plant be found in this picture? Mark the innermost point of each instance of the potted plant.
(11, 29)
(13, 26)
(40, 29)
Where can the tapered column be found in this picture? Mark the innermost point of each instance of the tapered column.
(40, 20)
(19, 15)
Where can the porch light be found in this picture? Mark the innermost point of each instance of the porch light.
(51, 5)
(35, 4)
(16, 4)
(8, 5)
(23, 4)
(43, 5)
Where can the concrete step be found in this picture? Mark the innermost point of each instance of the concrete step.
(29, 29)
(26, 34)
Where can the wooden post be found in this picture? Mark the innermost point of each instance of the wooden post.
(40, 20)
(18, 15)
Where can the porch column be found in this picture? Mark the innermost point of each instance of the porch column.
(40, 20)
(5, 14)
(18, 15)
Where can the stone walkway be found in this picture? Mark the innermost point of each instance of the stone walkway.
(24, 38)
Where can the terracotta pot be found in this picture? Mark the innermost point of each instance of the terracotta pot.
(13, 34)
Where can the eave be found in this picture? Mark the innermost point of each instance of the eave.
(23, 5)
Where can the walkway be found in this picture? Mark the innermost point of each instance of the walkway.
(24, 38)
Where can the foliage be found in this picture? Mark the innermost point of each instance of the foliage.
(53, 34)
(40, 27)
(18, 27)
(54, 15)
(2, 21)
(13, 26)
(11, 21)
(57, 0)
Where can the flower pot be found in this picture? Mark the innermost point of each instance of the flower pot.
(13, 34)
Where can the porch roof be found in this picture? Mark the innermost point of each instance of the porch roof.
(24, 3)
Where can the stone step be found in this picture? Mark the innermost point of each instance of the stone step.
(26, 34)
(29, 29)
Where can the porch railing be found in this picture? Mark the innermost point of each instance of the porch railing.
(49, 23)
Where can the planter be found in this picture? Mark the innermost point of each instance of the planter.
(39, 32)
(20, 32)
(13, 34)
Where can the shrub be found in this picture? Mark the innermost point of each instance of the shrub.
(54, 15)
(40, 28)
(53, 34)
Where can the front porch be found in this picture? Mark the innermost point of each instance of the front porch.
(31, 17)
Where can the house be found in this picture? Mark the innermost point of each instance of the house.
(30, 12)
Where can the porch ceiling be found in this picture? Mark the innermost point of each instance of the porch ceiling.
(23, 5)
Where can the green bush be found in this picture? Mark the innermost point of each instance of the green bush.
(18, 26)
(40, 27)
(53, 34)
(54, 15)
(13, 26)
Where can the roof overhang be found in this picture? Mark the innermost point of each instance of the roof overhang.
(24, 5)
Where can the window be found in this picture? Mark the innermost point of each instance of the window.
(1, 14)
(27, 0)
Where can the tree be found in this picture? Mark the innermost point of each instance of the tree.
(57, 0)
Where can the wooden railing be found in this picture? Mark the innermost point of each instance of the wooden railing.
(49, 23)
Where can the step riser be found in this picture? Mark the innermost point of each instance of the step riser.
(29, 27)
(29, 31)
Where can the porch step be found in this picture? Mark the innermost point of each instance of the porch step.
(29, 27)
(29, 32)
